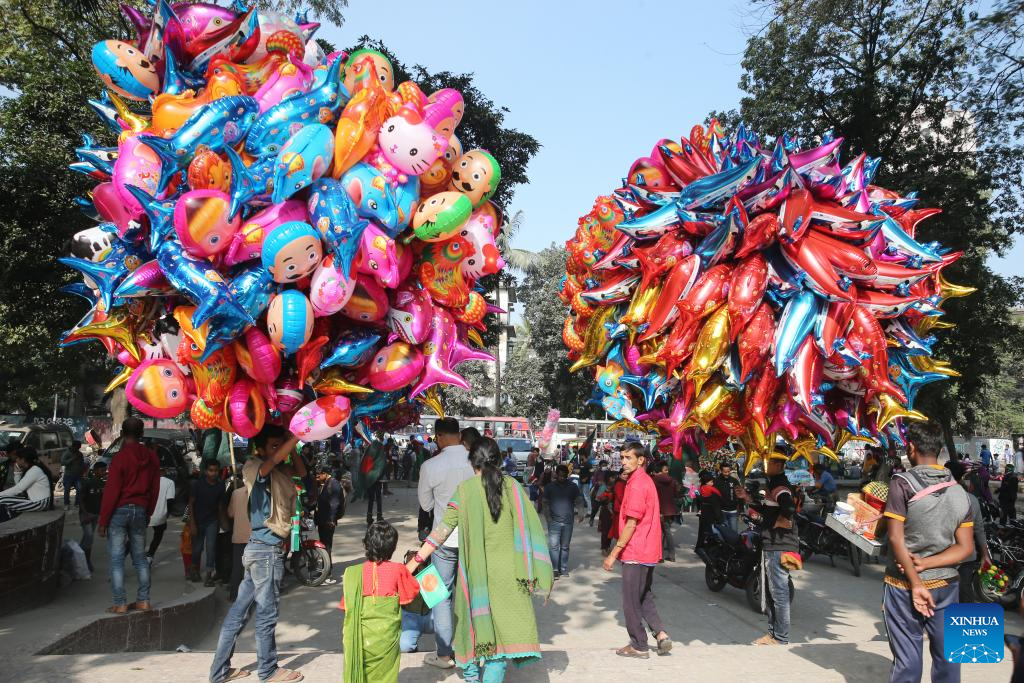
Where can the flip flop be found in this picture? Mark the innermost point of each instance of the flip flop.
(235, 674)
(284, 676)
(630, 651)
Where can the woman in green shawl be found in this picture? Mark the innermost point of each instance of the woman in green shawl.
(503, 561)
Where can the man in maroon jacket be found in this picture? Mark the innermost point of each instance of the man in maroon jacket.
(129, 498)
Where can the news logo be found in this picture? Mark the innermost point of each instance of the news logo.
(973, 633)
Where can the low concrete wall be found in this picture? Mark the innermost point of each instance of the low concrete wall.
(181, 622)
(30, 560)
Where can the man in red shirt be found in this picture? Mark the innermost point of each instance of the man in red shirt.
(639, 549)
(129, 498)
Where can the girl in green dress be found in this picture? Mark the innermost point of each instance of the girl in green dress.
(503, 561)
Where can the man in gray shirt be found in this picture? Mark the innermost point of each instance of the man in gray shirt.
(439, 477)
(930, 533)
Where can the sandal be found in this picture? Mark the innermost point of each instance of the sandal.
(117, 609)
(284, 676)
(630, 651)
(235, 674)
(664, 646)
(140, 606)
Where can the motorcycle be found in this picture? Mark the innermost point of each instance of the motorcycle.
(734, 559)
(818, 539)
(311, 563)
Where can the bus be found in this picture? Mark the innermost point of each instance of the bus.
(573, 432)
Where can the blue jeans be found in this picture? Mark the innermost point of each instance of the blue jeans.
(264, 569)
(493, 671)
(559, 535)
(906, 628)
(732, 518)
(128, 522)
(778, 589)
(446, 560)
(413, 626)
(71, 483)
(206, 536)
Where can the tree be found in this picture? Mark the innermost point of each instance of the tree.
(545, 314)
(523, 388)
(904, 80)
(460, 402)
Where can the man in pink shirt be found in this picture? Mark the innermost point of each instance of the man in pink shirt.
(639, 549)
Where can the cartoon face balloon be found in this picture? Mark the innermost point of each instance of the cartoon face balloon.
(125, 69)
(289, 320)
(476, 175)
(292, 251)
(385, 72)
(410, 143)
(439, 217)
(158, 388)
(202, 223)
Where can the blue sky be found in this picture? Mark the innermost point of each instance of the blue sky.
(597, 83)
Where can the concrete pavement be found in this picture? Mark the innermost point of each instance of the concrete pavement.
(837, 631)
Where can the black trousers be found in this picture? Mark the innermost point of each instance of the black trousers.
(638, 604)
(326, 532)
(158, 535)
(375, 494)
(1007, 511)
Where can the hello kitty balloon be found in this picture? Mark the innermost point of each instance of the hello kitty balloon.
(409, 143)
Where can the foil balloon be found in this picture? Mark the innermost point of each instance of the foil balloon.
(321, 419)
(247, 410)
(744, 288)
(395, 366)
(309, 227)
(158, 388)
(202, 223)
(289, 320)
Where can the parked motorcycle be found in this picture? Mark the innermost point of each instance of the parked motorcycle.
(311, 563)
(818, 539)
(734, 559)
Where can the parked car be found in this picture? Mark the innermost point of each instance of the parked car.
(520, 450)
(51, 441)
(170, 446)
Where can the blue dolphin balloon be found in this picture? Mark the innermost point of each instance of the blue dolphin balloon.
(100, 158)
(106, 112)
(249, 183)
(107, 274)
(252, 289)
(320, 105)
(334, 216)
(160, 213)
(897, 238)
(796, 323)
(304, 158)
(374, 404)
(200, 282)
(220, 124)
(352, 348)
(713, 188)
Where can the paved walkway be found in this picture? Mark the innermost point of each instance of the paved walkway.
(837, 631)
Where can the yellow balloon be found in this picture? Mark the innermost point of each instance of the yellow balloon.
(119, 379)
(928, 364)
(136, 123)
(888, 409)
(640, 307)
(431, 399)
(120, 325)
(710, 349)
(332, 382)
(947, 290)
(595, 340)
(714, 398)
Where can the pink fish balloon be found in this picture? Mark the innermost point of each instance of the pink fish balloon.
(321, 419)
(377, 257)
(258, 356)
(395, 366)
(439, 348)
(246, 409)
(410, 315)
(202, 222)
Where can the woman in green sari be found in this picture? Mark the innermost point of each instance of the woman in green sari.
(503, 561)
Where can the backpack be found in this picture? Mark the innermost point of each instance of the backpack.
(919, 488)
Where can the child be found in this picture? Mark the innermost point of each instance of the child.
(373, 593)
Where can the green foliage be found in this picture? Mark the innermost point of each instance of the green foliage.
(459, 401)
(545, 314)
(522, 386)
(920, 84)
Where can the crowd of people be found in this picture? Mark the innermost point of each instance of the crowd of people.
(481, 535)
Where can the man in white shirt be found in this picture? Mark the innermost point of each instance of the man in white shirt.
(158, 522)
(439, 477)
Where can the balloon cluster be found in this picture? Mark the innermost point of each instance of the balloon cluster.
(737, 290)
(280, 225)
